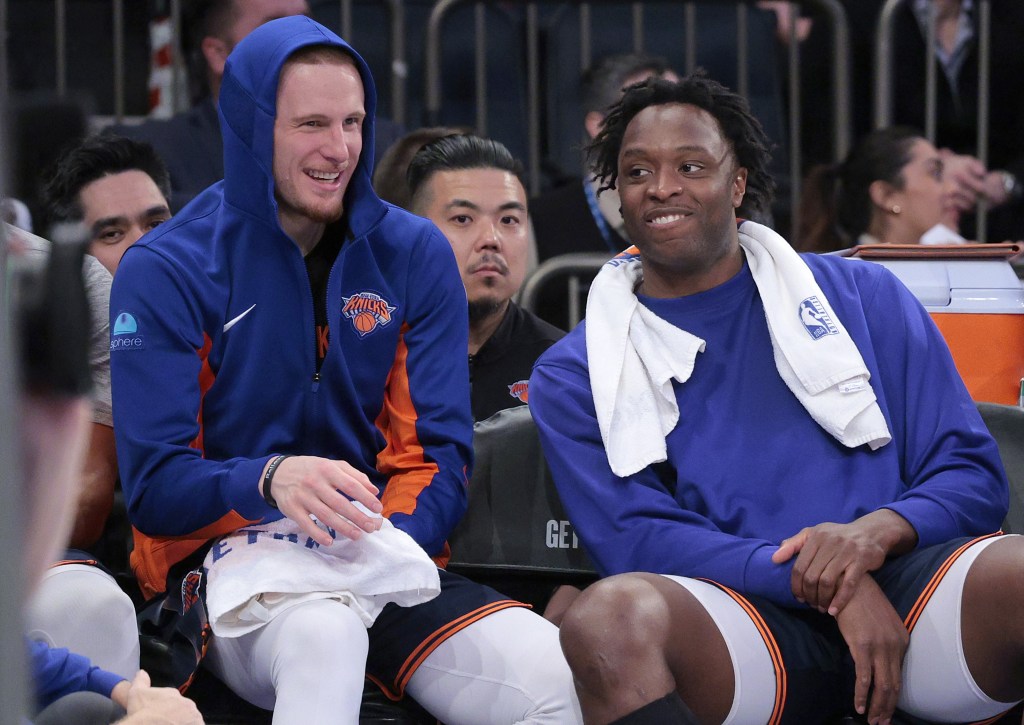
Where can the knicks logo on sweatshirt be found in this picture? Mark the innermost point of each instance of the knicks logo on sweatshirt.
(366, 310)
(520, 390)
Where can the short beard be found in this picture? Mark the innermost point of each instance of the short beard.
(312, 213)
(480, 310)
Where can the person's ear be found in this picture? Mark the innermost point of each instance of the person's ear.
(885, 196)
(739, 187)
(593, 122)
(216, 52)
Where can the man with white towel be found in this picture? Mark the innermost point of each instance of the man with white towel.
(811, 506)
(289, 366)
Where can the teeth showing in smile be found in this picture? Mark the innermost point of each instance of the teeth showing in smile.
(324, 175)
(667, 219)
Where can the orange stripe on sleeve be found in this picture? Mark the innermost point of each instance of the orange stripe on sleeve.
(153, 556)
(402, 459)
(206, 378)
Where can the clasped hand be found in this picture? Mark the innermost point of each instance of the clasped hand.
(831, 560)
(829, 574)
(305, 486)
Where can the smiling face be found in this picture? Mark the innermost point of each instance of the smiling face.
(482, 212)
(318, 136)
(117, 209)
(680, 186)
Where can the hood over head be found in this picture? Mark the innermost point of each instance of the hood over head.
(248, 107)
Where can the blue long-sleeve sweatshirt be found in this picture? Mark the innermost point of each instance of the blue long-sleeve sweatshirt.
(56, 672)
(747, 465)
(214, 343)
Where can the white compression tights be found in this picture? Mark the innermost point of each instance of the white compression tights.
(308, 663)
(81, 607)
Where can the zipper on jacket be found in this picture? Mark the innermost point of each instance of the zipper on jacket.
(316, 381)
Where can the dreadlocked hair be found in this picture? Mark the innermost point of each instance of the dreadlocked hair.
(739, 126)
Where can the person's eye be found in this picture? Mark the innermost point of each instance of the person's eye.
(154, 223)
(461, 219)
(110, 236)
(510, 220)
(690, 168)
(637, 172)
(354, 121)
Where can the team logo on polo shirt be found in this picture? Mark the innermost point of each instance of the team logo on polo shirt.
(815, 320)
(126, 334)
(366, 310)
(190, 590)
(520, 390)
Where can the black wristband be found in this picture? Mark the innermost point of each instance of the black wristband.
(268, 478)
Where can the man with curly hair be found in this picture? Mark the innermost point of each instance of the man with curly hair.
(770, 457)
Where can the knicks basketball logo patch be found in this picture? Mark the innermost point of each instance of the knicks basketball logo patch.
(520, 390)
(190, 590)
(366, 310)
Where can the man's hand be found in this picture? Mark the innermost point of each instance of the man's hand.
(148, 705)
(878, 641)
(967, 175)
(832, 559)
(996, 192)
(306, 485)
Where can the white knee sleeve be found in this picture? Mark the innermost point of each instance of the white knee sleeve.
(937, 683)
(307, 664)
(80, 607)
(506, 668)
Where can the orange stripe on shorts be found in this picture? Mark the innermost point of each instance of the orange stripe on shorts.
(922, 600)
(773, 650)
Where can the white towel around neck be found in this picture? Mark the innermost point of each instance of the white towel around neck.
(634, 355)
(259, 571)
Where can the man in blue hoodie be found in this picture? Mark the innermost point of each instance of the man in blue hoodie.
(292, 346)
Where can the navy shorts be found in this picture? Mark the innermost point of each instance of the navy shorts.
(402, 637)
(814, 670)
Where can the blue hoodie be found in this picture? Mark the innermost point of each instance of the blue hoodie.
(213, 356)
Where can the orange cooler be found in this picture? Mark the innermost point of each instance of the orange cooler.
(977, 302)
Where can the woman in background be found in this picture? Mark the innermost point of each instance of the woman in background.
(889, 190)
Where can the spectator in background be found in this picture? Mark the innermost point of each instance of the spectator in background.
(390, 172)
(957, 57)
(114, 190)
(957, 54)
(190, 142)
(473, 190)
(890, 189)
(118, 188)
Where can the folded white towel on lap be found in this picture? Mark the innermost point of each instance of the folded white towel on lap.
(257, 572)
(634, 355)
